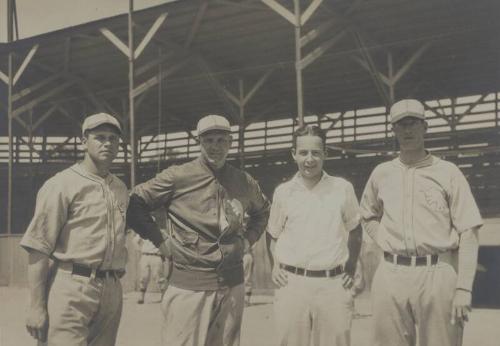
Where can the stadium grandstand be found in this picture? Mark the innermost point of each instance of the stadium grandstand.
(269, 66)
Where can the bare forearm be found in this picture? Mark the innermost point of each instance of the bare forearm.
(467, 259)
(354, 245)
(271, 249)
(38, 272)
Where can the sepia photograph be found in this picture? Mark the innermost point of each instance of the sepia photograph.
(249, 173)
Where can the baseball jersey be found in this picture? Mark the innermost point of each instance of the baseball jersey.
(418, 209)
(312, 225)
(80, 218)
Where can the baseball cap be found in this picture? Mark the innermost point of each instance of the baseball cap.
(95, 120)
(407, 108)
(213, 122)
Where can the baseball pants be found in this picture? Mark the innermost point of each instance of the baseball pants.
(413, 303)
(83, 311)
(152, 265)
(313, 311)
(202, 318)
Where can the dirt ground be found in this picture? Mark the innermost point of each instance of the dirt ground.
(140, 325)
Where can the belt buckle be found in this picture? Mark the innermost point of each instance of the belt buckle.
(413, 261)
(429, 260)
(394, 259)
(328, 273)
(93, 273)
(305, 272)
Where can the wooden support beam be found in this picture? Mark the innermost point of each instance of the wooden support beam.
(390, 70)
(41, 84)
(319, 51)
(231, 97)
(314, 33)
(196, 23)
(4, 77)
(75, 121)
(335, 121)
(365, 65)
(374, 72)
(205, 67)
(25, 63)
(152, 64)
(122, 47)
(471, 107)
(310, 10)
(404, 69)
(282, 11)
(54, 150)
(22, 123)
(149, 35)
(32, 147)
(44, 116)
(99, 103)
(257, 86)
(439, 115)
(41, 98)
(155, 79)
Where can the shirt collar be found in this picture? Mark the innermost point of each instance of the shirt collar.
(77, 167)
(297, 180)
(204, 163)
(428, 160)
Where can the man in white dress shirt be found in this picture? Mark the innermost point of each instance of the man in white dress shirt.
(315, 242)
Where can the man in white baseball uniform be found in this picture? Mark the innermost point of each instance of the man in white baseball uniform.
(315, 242)
(79, 222)
(420, 210)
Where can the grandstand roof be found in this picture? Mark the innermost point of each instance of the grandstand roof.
(439, 48)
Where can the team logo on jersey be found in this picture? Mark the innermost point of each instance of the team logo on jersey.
(435, 199)
(234, 210)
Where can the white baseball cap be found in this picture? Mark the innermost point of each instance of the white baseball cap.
(95, 120)
(407, 108)
(213, 122)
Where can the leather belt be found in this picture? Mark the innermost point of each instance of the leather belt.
(313, 273)
(411, 260)
(82, 270)
(151, 254)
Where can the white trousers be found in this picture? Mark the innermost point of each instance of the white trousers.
(83, 311)
(313, 311)
(411, 303)
(202, 318)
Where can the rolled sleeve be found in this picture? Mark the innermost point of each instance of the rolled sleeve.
(50, 215)
(370, 208)
(463, 208)
(277, 216)
(350, 212)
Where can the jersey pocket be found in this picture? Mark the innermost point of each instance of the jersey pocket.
(186, 239)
